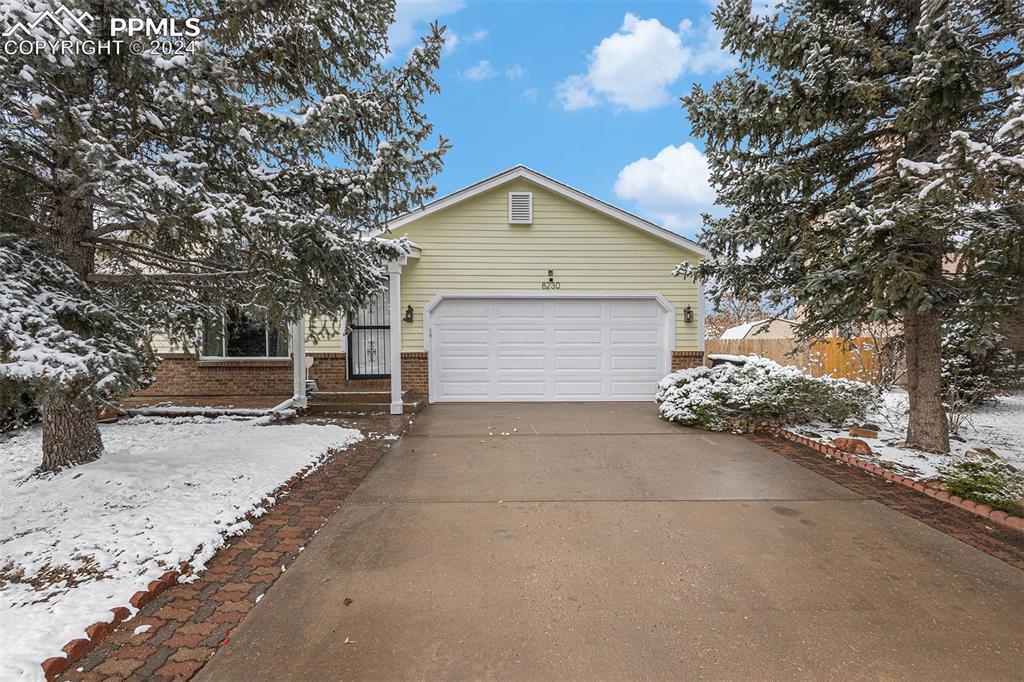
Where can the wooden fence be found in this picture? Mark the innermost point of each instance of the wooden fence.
(841, 358)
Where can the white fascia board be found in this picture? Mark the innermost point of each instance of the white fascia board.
(558, 188)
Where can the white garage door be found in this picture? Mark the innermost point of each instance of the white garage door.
(547, 349)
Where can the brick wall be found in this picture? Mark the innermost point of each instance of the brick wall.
(414, 373)
(185, 375)
(685, 359)
(329, 370)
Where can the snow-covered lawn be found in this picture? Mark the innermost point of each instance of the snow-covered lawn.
(999, 427)
(78, 543)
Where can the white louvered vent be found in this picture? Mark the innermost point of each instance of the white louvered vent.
(520, 208)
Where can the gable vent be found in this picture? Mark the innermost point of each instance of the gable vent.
(520, 208)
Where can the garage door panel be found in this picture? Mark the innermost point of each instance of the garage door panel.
(465, 390)
(633, 362)
(449, 336)
(547, 349)
(570, 309)
(579, 336)
(634, 309)
(465, 310)
(642, 337)
(578, 362)
(462, 361)
(522, 390)
(508, 361)
(530, 310)
(572, 389)
(518, 335)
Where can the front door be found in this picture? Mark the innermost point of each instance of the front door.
(369, 340)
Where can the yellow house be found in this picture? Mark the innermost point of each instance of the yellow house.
(518, 288)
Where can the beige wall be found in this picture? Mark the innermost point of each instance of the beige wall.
(472, 247)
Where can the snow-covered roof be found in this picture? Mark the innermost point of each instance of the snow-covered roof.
(522, 171)
(743, 330)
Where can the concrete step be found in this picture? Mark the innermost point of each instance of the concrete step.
(341, 409)
(349, 397)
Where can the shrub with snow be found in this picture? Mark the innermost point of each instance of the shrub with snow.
(989, 481)
(759, 393)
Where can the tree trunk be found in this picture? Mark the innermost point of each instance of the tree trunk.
(70, 432)
(928, 428)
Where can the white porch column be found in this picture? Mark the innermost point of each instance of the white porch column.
(395, 307)
(701, 314)
(298, 330)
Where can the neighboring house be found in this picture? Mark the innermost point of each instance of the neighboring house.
(519, 288)
(761, 329)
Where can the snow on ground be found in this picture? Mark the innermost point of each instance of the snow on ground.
(82, 541)
(999, 427)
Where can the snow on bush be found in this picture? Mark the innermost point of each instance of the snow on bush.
(758, 393)
(988, 480)
(75, 544)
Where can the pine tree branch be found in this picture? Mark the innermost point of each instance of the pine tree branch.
(162, 277)
(26, 220)
(127, 248)
(32, 175)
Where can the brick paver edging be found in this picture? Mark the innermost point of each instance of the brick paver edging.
(188, 622)
(982, 510)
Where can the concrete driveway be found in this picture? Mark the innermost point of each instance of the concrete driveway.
(597, 542)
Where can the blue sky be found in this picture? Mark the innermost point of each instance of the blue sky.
(586, 92)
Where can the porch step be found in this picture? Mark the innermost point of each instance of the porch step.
(380, 406)
(367, 397)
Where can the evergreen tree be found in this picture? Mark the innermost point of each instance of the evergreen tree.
(819, 142)
(147, 192)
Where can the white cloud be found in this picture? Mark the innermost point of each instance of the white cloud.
(515, 72)
(574, 93)
(673, 188)
(480, 71)
(633, 67)
(530, 94)
(413, 17)
(452, 39)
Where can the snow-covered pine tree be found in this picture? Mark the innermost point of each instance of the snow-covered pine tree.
(142, 193)
(805, 141)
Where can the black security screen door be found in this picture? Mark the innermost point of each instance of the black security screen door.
(369, 340)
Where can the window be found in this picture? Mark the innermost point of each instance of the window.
(241, 334)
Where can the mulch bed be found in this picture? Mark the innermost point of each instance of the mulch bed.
(189, 622)
(994, 539)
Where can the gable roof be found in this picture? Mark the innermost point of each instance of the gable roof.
(522, 172)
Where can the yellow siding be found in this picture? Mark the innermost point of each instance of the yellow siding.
(471, 246)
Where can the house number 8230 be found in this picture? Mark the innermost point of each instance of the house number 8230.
(550, 285)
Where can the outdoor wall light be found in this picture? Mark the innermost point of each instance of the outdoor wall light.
(687, 314)
(408, 314)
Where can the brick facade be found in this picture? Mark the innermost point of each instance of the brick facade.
(685, 359)
(414, 373)
(180, 375)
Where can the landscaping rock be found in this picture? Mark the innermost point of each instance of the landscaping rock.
(854, 446)
(863, 432)
(982, 452)
(871, 426)
(810, 434)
